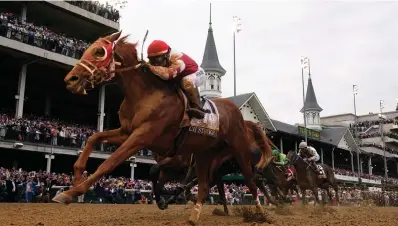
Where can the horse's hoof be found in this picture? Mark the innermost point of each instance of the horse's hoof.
(259, 209)
(194, 218)
(191, 222)
(162, 204)
(63, 198)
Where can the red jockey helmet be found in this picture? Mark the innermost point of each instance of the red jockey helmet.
(157, 47)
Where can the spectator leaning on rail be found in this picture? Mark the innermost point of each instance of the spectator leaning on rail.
(13, 27)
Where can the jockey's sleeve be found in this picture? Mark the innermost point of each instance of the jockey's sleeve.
(168, 73)
(282, 157)
(313, 151)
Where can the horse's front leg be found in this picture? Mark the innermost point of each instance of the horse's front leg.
(135, 142)
(158, 178)
(158, 174)
(111, 136)
(183, 190)
(316, 195)
(303, 195)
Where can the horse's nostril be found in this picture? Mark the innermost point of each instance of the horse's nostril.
(73, 78)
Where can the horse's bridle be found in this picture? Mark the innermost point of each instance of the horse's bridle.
(295, 157)
(104, 68)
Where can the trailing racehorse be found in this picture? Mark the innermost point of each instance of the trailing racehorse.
(308, 179)
(179, 165)
(222, 165)
(153, 115)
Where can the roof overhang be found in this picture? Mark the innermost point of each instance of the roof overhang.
(260, 111)
(351, 141)
(377, 151)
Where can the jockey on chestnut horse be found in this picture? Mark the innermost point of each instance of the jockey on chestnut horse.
(153, 115)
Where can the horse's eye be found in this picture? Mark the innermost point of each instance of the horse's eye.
(99, 52)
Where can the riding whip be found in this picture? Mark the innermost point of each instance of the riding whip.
(142, 47)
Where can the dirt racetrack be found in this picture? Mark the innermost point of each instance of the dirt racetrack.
(96, 215)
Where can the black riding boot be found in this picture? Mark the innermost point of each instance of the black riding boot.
(195, 110)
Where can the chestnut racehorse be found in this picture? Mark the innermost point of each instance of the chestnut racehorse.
(152, 116)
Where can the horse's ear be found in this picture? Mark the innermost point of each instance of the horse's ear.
(115, 36)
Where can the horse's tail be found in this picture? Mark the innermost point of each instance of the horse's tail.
(261, 140)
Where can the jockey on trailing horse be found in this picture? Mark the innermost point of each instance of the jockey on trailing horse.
(170, 65)
(309, 155)
(280, 160)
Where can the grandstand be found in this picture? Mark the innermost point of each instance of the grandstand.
(39, 44)
(368, 131)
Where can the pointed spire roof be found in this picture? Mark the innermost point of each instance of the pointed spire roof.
(210, 58)
(310, 103)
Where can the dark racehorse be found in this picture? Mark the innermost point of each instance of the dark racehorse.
(283, 184)
(308, 179)
(222, 164)
(166, 168)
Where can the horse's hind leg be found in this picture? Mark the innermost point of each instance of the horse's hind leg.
(202, 172)
(182, 191)
(260, 184)
(336, 191)
(158, 176)
(221, 192)
(243, 156)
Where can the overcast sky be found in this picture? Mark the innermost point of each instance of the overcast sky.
(348, 42)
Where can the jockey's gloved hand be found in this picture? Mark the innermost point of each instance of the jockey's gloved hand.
(144, 65)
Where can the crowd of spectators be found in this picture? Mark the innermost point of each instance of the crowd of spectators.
(378, 134)
(17, 185)
(44, 130)
(107, 11)
(366, 176)
(363, 126)
(13, 27)
(379, 146)
(50, 131)
(361, 129)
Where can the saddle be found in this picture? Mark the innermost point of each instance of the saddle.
(318, 170)
(208, 126)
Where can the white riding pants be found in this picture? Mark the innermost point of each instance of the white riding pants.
(314, 158)
(197, 78)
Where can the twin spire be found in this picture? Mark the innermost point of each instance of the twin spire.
(210, 60)
(310, 103)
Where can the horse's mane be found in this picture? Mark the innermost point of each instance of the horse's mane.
(127, 48)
